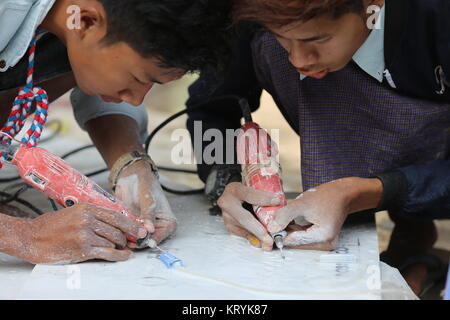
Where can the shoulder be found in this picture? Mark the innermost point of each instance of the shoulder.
(12, 14)
(13, 9)
(18, 21)
(17, 4)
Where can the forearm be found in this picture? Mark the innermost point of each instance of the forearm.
(408, 189)
(13, 236)
(362, 193)
(419, 189)
(114, 135)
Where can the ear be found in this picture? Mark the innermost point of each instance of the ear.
(379, 3)
(92, 21)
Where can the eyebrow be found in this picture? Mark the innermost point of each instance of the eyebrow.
(155, 81)
(152, 79)
(315, 38)
(174, 72)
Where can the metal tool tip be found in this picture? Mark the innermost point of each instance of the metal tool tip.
(152, 244)
(279, 244)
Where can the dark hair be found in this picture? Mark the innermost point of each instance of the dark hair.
(278, 13)
(187, 34)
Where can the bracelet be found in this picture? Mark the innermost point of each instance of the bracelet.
(126, 161)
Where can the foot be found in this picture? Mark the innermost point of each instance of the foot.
(407, 251)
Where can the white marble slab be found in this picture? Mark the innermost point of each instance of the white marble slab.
(220, 266)
(217, 265)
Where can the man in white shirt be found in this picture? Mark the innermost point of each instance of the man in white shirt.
(114, 51)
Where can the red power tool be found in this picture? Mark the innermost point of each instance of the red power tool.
(257, 154)
(51, 175)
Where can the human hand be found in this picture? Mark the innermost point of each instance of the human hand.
(141, 192)
(325, 208)
(79, 233)
(240, 221)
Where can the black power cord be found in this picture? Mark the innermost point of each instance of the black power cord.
(53, 203)
(22, 202)
(15, 195)
(66, 155)
(246, 112)
(147, 147)
(94, 173)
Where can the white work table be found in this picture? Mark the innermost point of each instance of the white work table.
(218, 265)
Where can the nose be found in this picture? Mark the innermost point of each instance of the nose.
(302, 55)
(135, 96)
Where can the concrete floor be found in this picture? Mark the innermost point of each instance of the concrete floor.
(165, 100)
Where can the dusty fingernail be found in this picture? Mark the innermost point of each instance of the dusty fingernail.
(254, 241)
(149, 226)
(142, 232)
(275, 201)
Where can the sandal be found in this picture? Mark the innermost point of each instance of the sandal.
(436, 271)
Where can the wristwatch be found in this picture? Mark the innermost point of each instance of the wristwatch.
(127, 160)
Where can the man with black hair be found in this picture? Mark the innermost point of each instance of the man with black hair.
(114, 51)
(365, 83)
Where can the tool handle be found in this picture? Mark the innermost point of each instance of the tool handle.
(268, 183)
(51, 175)
(258, 155)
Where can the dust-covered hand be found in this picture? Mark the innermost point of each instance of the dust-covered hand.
(240, 221)
(325, 209)
(79, 233)
(141, 192)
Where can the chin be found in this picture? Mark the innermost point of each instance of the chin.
(337, 69)
(85, 90)
(341, 67)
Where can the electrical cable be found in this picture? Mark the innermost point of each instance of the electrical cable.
(94, 173)
(53, 203)
(11, 179)
(68, 154)
(22, 202)
(16, 185)
(246, 112)
(14, 196)
(242, 103)
(65, 156)
(178, 170)
(182, 192)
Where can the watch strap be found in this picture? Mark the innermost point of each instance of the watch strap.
(125, 161)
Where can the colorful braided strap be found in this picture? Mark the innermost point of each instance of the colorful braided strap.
(22, 108)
